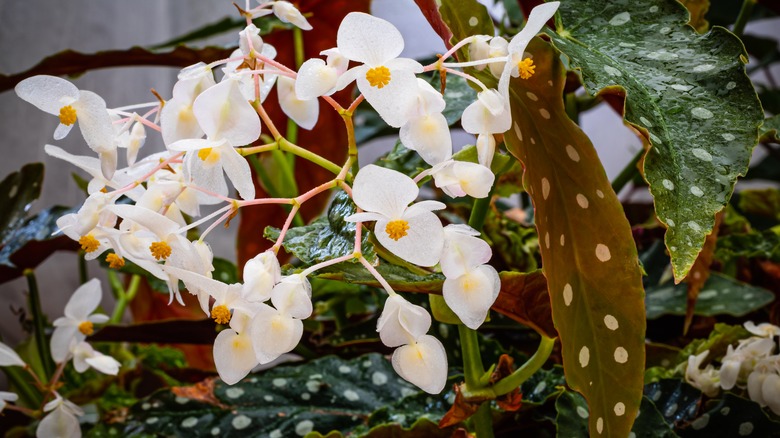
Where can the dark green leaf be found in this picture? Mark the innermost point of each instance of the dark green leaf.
(327, 237)
(721, 295)
(733, 416)
(650, 423)
(689, 93)
(35, 230)
(770, 130)
(543, 385)
(328, 394)
(458, 95)
(403, 160)
(765, 244)
(676, 400)
(762, 202)
(17, 193)
(572, 419)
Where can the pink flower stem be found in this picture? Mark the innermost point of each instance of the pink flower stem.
(221, 219)
(280, 240)
(355, 104)
(377, 275)
(327, 263)
(138, 182)
(467, 77)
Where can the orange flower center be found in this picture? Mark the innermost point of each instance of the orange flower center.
(89, 243)
(397, 229)
(526, 68)
(67, 115)
(86, 327)
(378, 76)
(160, 250)
(115, 261)
(221, 314)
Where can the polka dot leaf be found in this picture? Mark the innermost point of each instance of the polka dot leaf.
(687, 93)
(594, 279)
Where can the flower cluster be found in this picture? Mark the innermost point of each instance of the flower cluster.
(68, 343)
(215, 118)
(754, 364)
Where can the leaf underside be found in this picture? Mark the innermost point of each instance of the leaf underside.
(688, 93)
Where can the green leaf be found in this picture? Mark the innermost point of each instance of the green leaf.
(402, 159)
(457, 96)
(721, 295)
(327, 394)
(466, 18)
(733, 416)
(543, 385)
(761, 202)
(676, 400)
(765, 244)
(650, 423)
(717, 343)
(688, 93)
(17, 193)
(572, 418)
(588, 252)
(37, 230)
(770, 130)
(326, 238)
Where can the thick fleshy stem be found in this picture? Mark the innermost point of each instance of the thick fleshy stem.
(37, 316)
(531, 366)
(124, 297)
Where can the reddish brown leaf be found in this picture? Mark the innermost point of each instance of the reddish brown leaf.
(430, 10)
(201, 391)
(511, 401)
(525, 299)
(460, 410)
(328, 138)
(700, 271)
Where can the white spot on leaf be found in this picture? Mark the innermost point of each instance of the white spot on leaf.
(568, 294)
(545, 188)
(701, 113)
(620, 19)
(572, 153)
(602, 252)
(621, 355)
(584, 356)
(611, 322)
(582, 201)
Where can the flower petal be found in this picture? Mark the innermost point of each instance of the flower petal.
(394, 101)
(8, 357)
(292, 296)
(315, 79)
(429, 135)
(303, 112)
(274, 334)
(471, 295)
(288, 13)
(234, 356)
(238, 172)
(483, 117)
(423, 243)
(383, 191)
(84, 300)
(58, 423)
(94, 122)
(463, 251)
(368, 39)
(224, 113)
(46, 92)
(423, 364)
(402, 322)
(261, 273)
(177, 121)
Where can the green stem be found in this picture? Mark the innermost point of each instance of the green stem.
(572, 111)
(479, 212)
(473, 368)
(628, 173)
(37, 316)
(125, 297)
(743, 17)
(310, 156)
(483, 421)
(512, 381)
(298, 46)
(83, 276)
(28, 394)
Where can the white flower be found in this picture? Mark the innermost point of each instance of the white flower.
(463, 250)
(770, 391)
(132, 139)
(317, 77)
(261, 273)
(765, 329)
(250, 34)
(486, 148)
(427, 131)
(84, 356)
(516, 47)
(489, 114)
(741, 361)
(228, 120)
(8, 357)
(387, 82)
(234, 353)
(278, 330)
(61, 420)
(246, 81)
(423, 363)
(288, 13)
(402, 322)
(59, 97)
(705, 380)
(6, 397)
(461, 178)
(413, 232)
(177, 120)
(78, 322)
(471, 294)
(304, 112)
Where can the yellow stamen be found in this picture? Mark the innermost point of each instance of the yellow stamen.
(378, 76)
(89, 243)
(86, 327)
(526, 68)
(160, 250)
(221, 314)
(115, 261)
(397, 229)
(67, 115)
(204, 153)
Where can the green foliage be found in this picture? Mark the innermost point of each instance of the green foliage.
(689, 93)
(327, 237)
(17, 193)
(733, 416)
(327, 394)
(721, 295)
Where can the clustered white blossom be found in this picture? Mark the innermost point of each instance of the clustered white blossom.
(212, 121)
(754, 364)
(68, 343)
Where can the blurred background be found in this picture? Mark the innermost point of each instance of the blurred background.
(32, 30)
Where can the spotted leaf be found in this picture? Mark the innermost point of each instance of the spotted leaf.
(588, 254)
(688, 93)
